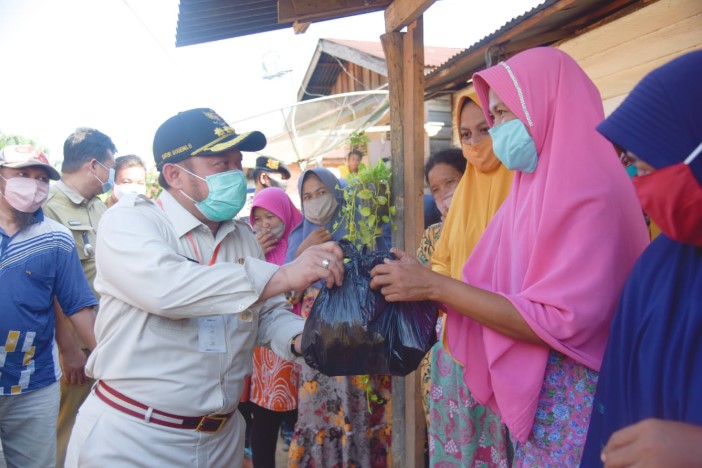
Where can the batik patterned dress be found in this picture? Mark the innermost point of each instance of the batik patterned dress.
(460, 432)
(337, 425)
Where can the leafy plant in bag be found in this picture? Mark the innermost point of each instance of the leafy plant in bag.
(367, 205)
(353, 330)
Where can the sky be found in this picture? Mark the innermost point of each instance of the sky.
(113, 64)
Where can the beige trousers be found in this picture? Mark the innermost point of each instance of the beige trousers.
(106, 437)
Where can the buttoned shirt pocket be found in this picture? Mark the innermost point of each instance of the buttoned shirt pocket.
(33, 291)
(244, 328)
(246, 320)
(84, 236)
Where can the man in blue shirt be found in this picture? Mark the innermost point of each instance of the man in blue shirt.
(38, 264)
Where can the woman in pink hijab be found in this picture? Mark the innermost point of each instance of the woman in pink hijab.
(530, 321)
(274, 381)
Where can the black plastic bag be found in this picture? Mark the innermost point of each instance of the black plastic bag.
(352, 330)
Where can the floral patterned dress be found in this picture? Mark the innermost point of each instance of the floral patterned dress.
(337, 425)
(460, 432)
(562, 417)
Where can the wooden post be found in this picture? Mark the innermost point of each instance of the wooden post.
(404, 53)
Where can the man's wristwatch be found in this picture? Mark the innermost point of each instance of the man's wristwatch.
(292, 346)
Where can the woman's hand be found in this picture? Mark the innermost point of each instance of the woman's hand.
(316, 237)
(266, 239)
(404, 279)
(654, 443)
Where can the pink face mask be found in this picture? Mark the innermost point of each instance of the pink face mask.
(26, 194)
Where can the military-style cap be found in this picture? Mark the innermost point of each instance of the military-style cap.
(268, 164)
(20, 156)
(200, 132)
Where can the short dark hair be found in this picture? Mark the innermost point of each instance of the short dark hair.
(357, 152)
(83, 145)
(451, 156)
(127, 161)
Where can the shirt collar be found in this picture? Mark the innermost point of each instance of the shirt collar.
(184, 222)
(71, 193)
(38, 218)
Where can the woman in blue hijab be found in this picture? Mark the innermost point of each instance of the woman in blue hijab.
(322, 200)
(648, 404)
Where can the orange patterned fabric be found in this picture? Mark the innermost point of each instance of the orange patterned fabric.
(274, 381)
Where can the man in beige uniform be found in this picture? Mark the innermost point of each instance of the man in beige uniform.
(88, 157)
(185, 297)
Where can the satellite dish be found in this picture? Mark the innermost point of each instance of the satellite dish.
(270, 63)
(312, 129)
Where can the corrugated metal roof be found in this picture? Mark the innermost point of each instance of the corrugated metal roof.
(545, 24)
(212, 20)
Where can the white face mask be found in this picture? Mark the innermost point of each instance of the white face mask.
(278, 231)
(320, 210)
(121, 189)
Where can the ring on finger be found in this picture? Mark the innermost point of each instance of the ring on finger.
(325, 264)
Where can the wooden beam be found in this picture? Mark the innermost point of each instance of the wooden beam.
(413, 157)
(413, 117)
(352, 55)
(404, 53)
(319, 10)
(401, 13)
(300, 28)
(392, 46)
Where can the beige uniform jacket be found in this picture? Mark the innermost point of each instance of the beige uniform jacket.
(155, 295)
(81, 216)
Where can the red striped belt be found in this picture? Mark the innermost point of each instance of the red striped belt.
(210, 423)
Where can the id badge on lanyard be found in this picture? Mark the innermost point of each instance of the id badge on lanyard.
(210, 329)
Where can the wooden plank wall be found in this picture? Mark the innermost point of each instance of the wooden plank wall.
(618, 54)
(358, 78)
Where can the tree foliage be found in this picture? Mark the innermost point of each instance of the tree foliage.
(11, 139)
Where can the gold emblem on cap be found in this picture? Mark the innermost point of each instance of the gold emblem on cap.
(272, 164)
(223, 131)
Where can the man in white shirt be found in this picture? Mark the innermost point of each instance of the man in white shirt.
(185, 296)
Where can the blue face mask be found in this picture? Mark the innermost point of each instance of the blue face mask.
(632, 170)
(226, 197)
(110, 182)
(513, 145)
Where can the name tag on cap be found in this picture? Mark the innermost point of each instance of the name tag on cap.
(210, 334)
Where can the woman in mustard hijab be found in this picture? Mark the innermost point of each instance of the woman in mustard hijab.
(461, 432)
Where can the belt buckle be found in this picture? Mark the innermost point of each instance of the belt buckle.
(203, 425)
